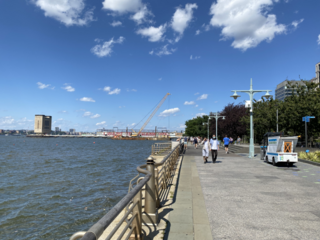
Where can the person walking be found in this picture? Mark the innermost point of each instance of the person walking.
(205, 150)
(239, 140)
(226, 142)
(195, 141)
(214, 148)
(185, 142)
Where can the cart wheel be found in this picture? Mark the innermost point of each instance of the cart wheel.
(273, 162)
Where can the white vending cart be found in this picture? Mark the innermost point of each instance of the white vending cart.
(281, 150)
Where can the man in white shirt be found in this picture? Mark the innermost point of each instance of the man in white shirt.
(214, 148)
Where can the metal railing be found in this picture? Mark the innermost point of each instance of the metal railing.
(153, 185)
(161, 148)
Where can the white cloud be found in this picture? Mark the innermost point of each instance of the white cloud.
(105, 49)
(246, 21)
(116, 23)
(115, 91)
(141, 16)
(182, 126)
(197, 32)
(200, 114)
(101, 123)
(189, 103)
(163, 51)
(169, 112)
(196, 93)
(196, 105)
(160, 79)
(122, 106)
(122, 6)
(68, 12)
(87, 99)
(108, 90)
(131, 90)
(319, 39)
(87, 114)
(153, 33)
(43, 86)
(200, 109)
(203, 96)
(296, 23)
(194, 58)
(117, 124)
(68, 88)
(96, 116)
(181, 18)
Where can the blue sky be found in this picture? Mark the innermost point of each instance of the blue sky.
(107, 63)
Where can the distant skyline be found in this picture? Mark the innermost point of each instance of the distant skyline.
(107, 63)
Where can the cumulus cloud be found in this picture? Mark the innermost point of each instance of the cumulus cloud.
(181, 19)
(200, 114)
(87, 99)
(196, 105)
(154, 34)
(68, 88)
(105, 49)
(87, 114)
(101, 123)
(203, 96)
(169, 112)
(194, 57)
(319, 39)
(189, 103)
(141, 16)
(182, 126)
(247, 22)
(114, 91)
(96, 116)
(122, 6)
(197, 32)
(43, 86)
(67, 12)
(296, 23)
(116, 23)
(9, 122)
(163, 51)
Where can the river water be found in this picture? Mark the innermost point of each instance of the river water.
(51, 188)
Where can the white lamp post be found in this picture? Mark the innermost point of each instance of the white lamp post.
(251, 92)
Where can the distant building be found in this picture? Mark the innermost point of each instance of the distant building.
(72, 130)
(42, 124)
(57, 129)
(282, 91)
(1, 131)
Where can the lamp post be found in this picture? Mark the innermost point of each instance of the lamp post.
(251, 92)
(217, 117)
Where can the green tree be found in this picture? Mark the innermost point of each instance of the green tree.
(195, 127)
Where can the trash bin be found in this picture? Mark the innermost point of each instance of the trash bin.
(262, 153)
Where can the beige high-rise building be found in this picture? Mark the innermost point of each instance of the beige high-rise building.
(42, 124)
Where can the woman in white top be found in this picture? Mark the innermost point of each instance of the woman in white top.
(205, 150)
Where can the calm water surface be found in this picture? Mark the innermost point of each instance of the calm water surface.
(51, 188)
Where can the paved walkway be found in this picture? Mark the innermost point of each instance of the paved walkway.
(241, 198)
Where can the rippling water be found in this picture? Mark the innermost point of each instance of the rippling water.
(53, 187)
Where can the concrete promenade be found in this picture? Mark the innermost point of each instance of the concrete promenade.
(242, 198)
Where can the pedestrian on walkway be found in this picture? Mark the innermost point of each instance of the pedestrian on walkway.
(185, 142)
(226, 142)
(205, 150)
(239, 140)
(195, 141)
(214, 148)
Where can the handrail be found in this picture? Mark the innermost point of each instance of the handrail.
(134, 196)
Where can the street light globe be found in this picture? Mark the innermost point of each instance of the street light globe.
(223, 118)
(267, 96)
(235, 95)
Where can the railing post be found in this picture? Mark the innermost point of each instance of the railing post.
(151, 216)
(137, 210)
(156, 172)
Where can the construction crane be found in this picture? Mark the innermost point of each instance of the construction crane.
(134, 134)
